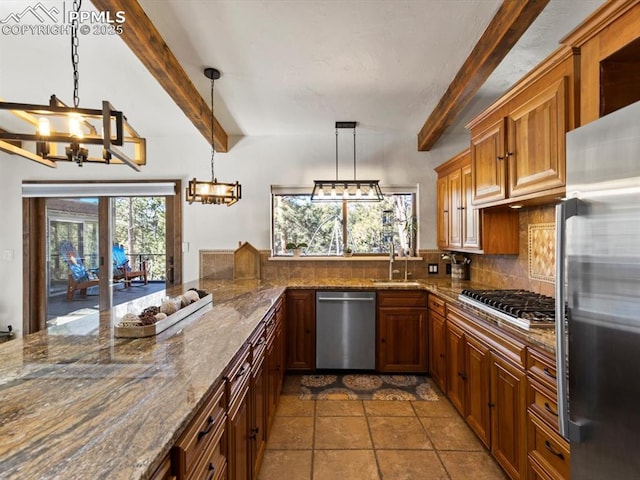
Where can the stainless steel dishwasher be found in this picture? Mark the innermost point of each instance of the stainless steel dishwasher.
(346, 330)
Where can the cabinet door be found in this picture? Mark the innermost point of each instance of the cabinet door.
(301, 328)
(443, 213)
(258, 431)
(239, 447)
(437, 350)
(454, 181)
(536, 145)
(455, 367)
(477, 388)
(470, 215)
(508, 417)
(402, 339)
(488, 166)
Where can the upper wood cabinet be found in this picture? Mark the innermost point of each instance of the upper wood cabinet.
(517, 144)
(463, 227)
(609, 44)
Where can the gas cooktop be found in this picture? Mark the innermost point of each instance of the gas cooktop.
(520, 307)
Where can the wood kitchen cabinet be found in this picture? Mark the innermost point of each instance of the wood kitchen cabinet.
(258, 398)
(461, 226)
(486, 382)
(609, 44)
(300, 330)
(437, 342)
(201, 450)
(237, 378)
(402, 332)
(518, 143)
(275, 358)
(548, 452)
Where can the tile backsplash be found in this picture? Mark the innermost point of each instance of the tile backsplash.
(533, 267)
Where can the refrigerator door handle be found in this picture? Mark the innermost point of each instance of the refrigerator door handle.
(564, 211)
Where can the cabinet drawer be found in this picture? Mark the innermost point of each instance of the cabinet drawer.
(543, 402)
(402, 299)
(193, 443)
(548, 451)
(213, 461)
(436, 304)
(543, 368)
(258, 342)
(237, 375)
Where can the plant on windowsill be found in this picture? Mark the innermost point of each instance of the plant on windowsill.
(347, 252)
(296, 247)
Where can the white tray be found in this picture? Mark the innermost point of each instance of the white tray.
(162, 325)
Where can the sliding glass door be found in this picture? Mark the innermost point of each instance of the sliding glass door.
(84, 254)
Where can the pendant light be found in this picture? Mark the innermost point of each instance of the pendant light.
(74, 134)
(358, 190)
(213, 192)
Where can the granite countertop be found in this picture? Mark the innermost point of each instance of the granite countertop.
(79, 403)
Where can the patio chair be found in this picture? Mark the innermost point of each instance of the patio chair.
(123, 271)
(79, 277)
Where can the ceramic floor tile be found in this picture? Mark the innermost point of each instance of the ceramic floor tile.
(342, 432)
(289, 464)
(441, 408)
(451, 433)
(291, 406)
(388, 408)
(345, 465)
(476, 465)
(398, 433)
(291, 433)
(339, 408)
(410, 465)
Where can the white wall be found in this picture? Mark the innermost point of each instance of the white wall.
(257, 162)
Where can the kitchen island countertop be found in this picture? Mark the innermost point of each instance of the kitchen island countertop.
(79, 403)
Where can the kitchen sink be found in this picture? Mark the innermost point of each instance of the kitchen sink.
(396, 283)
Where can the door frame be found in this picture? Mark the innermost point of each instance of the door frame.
(34, 238)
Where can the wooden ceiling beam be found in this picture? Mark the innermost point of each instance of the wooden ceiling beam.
(144, 40)
(511, 20)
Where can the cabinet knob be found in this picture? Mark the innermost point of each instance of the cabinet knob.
(210, 424)
(499, 158)
(491, 405)
(382, 340)
(548, 373)
(549, 409)
(442, 355)
(510, 154)
(212, 470)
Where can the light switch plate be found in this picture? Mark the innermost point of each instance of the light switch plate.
(433, 268)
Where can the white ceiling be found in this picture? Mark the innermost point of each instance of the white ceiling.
(297, 66)
(288, 67)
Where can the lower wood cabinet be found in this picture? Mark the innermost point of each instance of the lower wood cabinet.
(275, 361)
(402, 332)
(237, 378)
(201, 450)
(301, 330)
(437, 342)
(488, 388)
(508, 417)
(258, 399)
(165, 470)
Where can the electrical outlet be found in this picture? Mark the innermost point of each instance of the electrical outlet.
(433, 268)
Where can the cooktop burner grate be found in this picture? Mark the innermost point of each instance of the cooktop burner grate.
(520, 307)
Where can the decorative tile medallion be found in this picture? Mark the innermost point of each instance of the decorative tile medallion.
(542, 252)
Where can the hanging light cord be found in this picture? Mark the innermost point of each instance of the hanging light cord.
(354, 153)
(213, 148)
(75, 58)
(336, 154)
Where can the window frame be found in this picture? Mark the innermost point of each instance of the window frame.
(299, 190)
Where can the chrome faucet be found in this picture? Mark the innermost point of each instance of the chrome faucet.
(391, 258)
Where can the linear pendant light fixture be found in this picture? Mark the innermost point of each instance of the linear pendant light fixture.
(213, 192)
(359, 190)
(84, 130)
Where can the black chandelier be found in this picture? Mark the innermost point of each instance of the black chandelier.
(213, 192)
(81, 131)
(360, 190)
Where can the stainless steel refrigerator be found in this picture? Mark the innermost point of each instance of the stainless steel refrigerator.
(598, 279)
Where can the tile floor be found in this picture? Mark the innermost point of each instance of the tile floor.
(372, 440)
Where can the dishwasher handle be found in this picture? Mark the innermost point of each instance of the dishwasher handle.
(335, 299)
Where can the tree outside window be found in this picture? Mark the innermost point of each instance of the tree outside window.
(333, 227)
